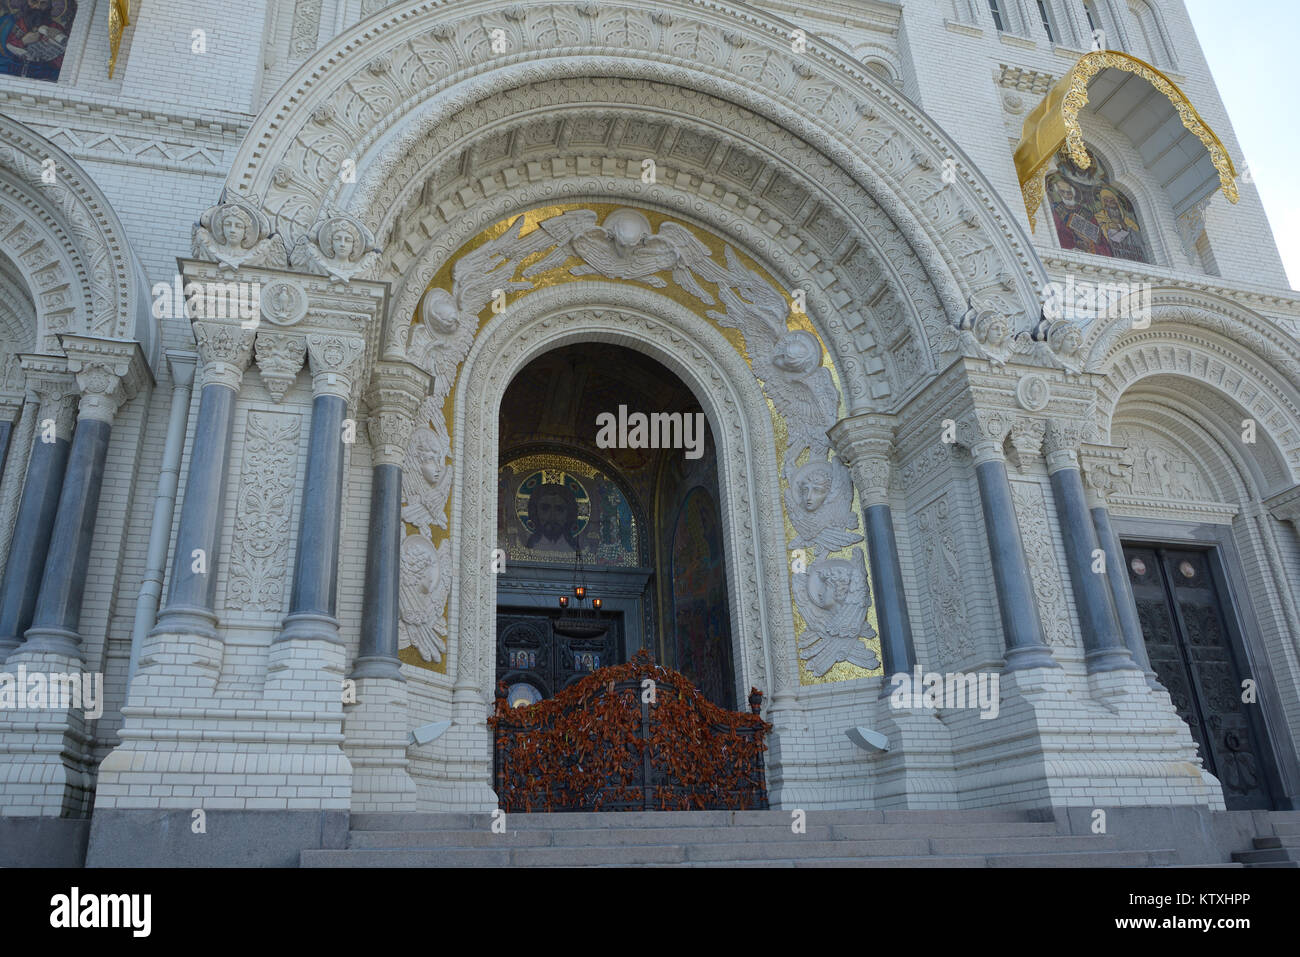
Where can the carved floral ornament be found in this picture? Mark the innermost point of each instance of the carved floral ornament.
(724, 289)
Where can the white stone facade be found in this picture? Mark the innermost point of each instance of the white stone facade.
(873, 170)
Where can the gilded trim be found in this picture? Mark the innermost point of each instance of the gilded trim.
(1054, 123)
(119, 18)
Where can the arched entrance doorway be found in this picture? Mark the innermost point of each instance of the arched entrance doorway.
(608, 481)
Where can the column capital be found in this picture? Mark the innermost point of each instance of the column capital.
(336, 360)
(224, 350)
(109, 373)
(1104, 469)
(866, 444)
(1285, 506)
(394, 397)
(182, 365)
(984, 432)
(280, 356)
(1061, 444)
(55, 389)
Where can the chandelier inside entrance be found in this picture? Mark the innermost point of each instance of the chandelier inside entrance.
(576, 619)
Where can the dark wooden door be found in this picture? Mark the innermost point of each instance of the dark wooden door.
(535, 661)
(1186, 624)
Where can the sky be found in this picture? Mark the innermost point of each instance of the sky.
(1252, 47)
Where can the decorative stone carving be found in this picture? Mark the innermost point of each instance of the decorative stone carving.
(224, 351)
(109, 373)
(1033, 392)
(1160, 469)
(235, 233)
(339, 246)
(259, 550)
(283, 303)
(396, 390)
(1044, 571)
(1026, 442)
(335, 362)
(279, 357)
(56, 390)
(305, 28)
(426, 469)
(801, 388)
(819, 502)
(425, 586)
(1061, 443)
(944, 576)
(832, 598)
(1104, 469)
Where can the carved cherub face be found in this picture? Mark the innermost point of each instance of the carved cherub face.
(627, 228)
(829, 584)
(995, 329)
(797, 352)
(1068, 340)
(812, 484)
(234, 227)
(439, 311)
(343, 241)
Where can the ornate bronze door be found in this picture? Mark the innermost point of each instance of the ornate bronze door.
(535, 662)
(1187, 629)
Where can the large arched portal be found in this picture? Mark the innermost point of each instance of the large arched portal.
(608, 482)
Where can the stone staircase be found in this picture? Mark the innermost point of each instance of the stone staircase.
(988, 838)
(1280, 849)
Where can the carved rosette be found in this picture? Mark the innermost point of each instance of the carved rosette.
(109, 373)
(335, 361)
(56, 390)
(396, 391)
(224, 352)
(279, 357)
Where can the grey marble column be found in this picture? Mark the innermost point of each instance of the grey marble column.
(34, 523)
(1102, 466)
(108, 373)
(865, 443)
(224, 352)
(1104, 647)
(1020, 623)
(394, 399)
(334, 361)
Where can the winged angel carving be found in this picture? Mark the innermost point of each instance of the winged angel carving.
(425, 586)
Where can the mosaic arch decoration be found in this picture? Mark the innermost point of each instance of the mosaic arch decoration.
(834, 617)
(1092, 214)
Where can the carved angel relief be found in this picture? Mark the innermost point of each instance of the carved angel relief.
(832, 598)
(426, 473)
(339, 246)
(236, 233)
(425, 586)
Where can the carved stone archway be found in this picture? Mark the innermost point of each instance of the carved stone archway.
(758, 586)
(63, 235)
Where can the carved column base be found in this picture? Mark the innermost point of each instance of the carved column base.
(46, 767)
(375, 731)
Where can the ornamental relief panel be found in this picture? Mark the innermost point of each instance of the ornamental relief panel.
(259, 549)
(940, 560)
(1160, 469)
(1044, 569)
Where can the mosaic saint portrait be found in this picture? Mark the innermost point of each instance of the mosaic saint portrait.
(1092, 214)
(34, 37)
